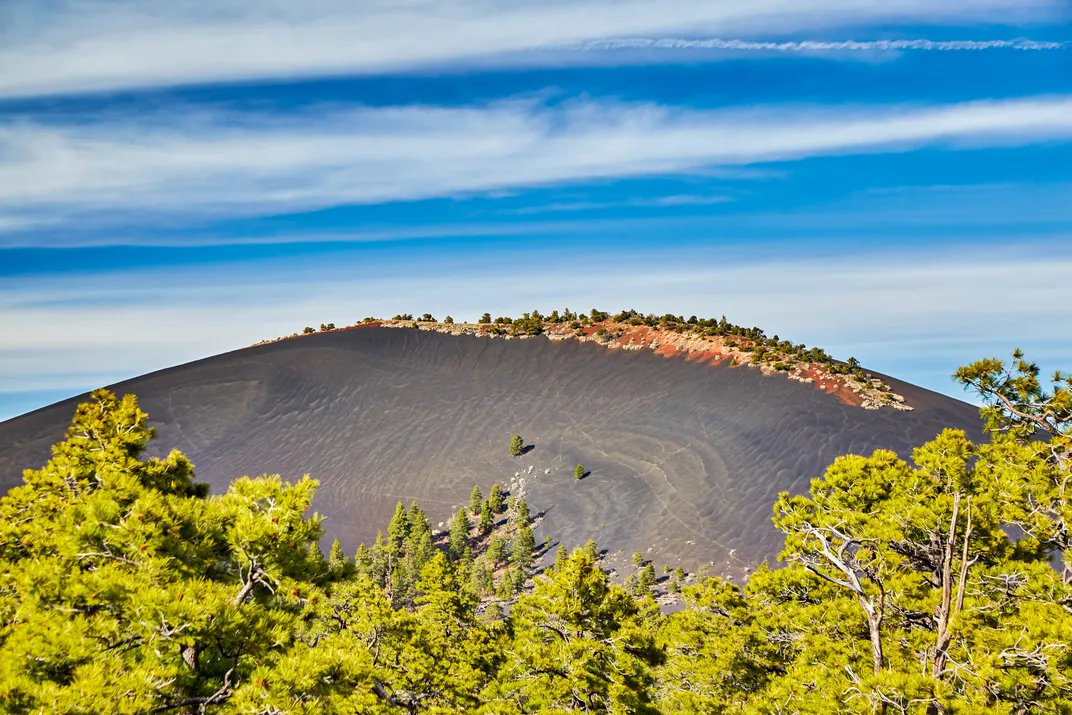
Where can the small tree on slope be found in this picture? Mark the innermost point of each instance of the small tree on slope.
(517, 445)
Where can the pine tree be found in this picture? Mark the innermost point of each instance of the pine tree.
(363, 561)
(105, 534)
(336, 557)
(578, 471)
(483, 582)
(475, 500)
(497, 499)
(561, 555)
(592, 549)
(487, 517)
(496, 550)
(316, 556)
(517, 445)
(524, 545)
(459, 533)
(580, 639)
(647, 577)
(384, 561)
(417, 552)
(398, 529)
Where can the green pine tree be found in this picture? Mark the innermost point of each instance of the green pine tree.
(496, 550)
(517, 446)
(398, 529)
(497, 499)
(459, 533)
(524, 545)
(647, 577)
(487, 517)
(578, 471)
(336, 558)
(580, 644)
(561, 555)
(591, 548)
(475, 500)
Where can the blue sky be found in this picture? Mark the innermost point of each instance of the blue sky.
(888, 180)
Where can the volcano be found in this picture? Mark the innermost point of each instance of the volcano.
(685, 457)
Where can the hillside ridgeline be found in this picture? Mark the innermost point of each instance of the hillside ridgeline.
(708, 340)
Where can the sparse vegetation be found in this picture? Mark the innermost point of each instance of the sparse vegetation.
(742, 345)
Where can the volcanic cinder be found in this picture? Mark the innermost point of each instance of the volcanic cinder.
(686, 458)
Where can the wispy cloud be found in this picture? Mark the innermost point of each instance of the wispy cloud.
(806, 46)
(199, 164)
(70, 46)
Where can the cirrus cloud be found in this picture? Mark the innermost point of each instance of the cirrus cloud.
(201, 165)
(74, 46)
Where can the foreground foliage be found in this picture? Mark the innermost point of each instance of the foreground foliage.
(125, 588)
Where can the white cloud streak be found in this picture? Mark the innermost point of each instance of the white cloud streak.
(72, 46)
(200, 165)
(806, 46)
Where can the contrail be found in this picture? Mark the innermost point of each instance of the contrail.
(631, 43)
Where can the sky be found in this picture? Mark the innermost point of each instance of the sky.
(887, 179)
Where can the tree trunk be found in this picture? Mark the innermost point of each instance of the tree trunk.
(874, 628)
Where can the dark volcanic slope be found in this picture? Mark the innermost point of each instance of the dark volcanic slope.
(686, 458)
